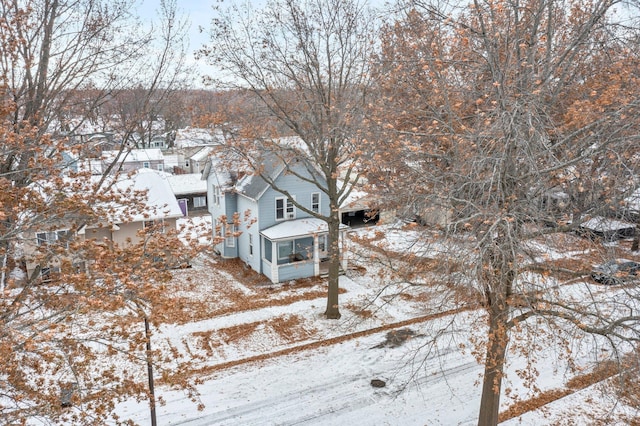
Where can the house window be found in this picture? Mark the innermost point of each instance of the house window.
(161, 167)
(250, 244)
(199, 202)
(230, 239)
(146, 164)
(49, 273)
(315, 202)
(51, 237)
(284, 209)
(285, 249)
(217, 230)
(216, 195)
(322, 243)
(153, 225)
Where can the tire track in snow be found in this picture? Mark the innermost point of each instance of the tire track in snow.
(349, 392)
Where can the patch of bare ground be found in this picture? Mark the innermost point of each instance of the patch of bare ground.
(211, 369)
(602, 372)
(290, 328)
(207, 292)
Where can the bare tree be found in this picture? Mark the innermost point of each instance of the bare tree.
(515, 122)
(307, 63)
(60, 61)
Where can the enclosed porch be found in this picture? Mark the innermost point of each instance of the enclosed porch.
(297, 248)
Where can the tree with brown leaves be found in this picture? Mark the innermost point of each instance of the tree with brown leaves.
(72, 343)
(509, 123)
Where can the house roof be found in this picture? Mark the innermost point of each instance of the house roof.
(135, 155)
(187, 184)
(202, 153)
(161, 203)
(253, 185)
(297, 228)
(197, 137)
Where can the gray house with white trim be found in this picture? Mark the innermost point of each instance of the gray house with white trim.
(261, 226)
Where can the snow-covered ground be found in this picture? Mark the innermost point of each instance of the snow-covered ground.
(318, 377)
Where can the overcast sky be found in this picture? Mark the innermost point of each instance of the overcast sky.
(199, 14)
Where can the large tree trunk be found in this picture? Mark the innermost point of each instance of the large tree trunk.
(333, 311)
(494, 366)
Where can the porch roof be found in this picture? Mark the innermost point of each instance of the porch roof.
(297, 228)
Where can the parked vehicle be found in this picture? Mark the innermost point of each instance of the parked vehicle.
(616, 271)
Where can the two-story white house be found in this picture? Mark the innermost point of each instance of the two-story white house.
(262, 226)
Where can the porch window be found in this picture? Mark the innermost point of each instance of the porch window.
(322, 243)
(161, 167)
(199, 201)
(285, 249)
(285, 209)
(315, 202)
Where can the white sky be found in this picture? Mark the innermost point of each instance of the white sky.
(199, 14)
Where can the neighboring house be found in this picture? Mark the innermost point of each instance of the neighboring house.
(197, 161)
(190, 191)
(158, 141)
(161, 207)
(259, 225)
(191, 159)
(357, 211)
(135, 159)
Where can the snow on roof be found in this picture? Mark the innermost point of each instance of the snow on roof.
(297, 228)
(202, 154)
(187, 184)
(161, 203)
(196, 137)
(135, 155)
(253, 186)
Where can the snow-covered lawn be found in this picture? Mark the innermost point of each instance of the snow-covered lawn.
(267, 356)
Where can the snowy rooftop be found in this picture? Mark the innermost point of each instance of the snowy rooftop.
(161, 203)
(135, 155)
(187, 184)
(202, 154)
(297, 228)
(195, 137)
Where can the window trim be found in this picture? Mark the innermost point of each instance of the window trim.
(288, 209)
(230, 238)
(217, 195)
(202, 201)
(315, 206)
(52, 237)
(282, 243)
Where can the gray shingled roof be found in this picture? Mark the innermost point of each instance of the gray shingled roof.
(253, 186)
